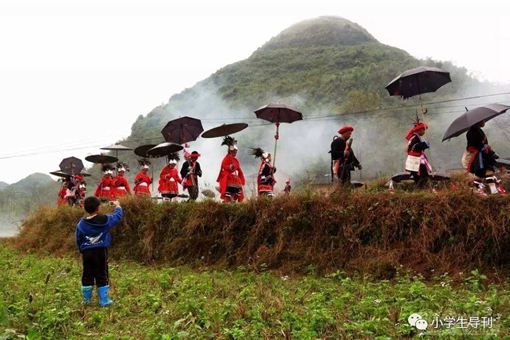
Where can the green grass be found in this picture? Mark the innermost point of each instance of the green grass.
(40, 298)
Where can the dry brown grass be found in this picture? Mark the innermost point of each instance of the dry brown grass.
(372, 232)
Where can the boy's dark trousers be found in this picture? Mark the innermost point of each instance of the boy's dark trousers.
(95, 267)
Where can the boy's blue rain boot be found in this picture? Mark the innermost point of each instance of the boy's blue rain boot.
(86, 292)
(103, 296)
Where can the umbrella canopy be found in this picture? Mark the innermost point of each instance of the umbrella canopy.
(278, 113)
(182, 130)
(418, 81)
(224, 130)
(59, 173)
(101, 159)
(502, 163)
(142, 150)
(71, 165)
(116, 147)
(164, 149)
(473, 117)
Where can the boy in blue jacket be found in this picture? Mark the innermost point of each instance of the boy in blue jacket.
(93, 239)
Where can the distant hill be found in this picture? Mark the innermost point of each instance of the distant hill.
(327, 66)
(335, 72)
(19, 199)
(29, 184)
(3, 185)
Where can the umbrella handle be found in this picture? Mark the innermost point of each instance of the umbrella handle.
(276, 142)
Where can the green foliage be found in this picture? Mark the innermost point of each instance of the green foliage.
(163, 302)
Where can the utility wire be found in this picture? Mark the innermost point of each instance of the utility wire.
(36, 152)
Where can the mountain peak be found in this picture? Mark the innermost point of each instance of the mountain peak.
(321, 31)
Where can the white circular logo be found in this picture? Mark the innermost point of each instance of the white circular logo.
(421, 324)
(413, 318)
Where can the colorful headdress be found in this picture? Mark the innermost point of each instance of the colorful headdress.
(418, 125)
(122, 166)
(195, 155)
(230, 142)
(144, 163)
(173, 158)
(259, 153)
(107, 169)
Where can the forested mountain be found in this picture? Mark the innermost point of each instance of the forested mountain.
(335, 73)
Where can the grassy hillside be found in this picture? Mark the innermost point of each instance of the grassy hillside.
(163, 302)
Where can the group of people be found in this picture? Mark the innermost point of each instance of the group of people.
(478, 159)
(230, 178)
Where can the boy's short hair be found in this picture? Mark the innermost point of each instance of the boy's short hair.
(91, 204)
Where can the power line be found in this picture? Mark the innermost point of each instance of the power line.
(307, 118)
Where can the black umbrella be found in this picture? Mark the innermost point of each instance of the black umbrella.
(473, 117)
(418, 81)
(224, 130)
(71, 165)
(59, 173)
(101, 159)
(278, 113)
(116, 148)
(164, 149)
(182, 130)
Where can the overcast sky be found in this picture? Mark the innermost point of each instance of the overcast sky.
(73, 66)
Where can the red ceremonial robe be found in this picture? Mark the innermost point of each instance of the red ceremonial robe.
(104, 188)
(142, 182)
(121, 186)
(168, 180)
(231, 174)
(61, 200)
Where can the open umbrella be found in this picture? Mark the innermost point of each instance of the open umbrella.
(101, 159)
(417, 81)
(473, 117)
(224, 130)
(116, 148)
(59, 173)
(278, 113)
(71, 165)
(164, 149)
(182, 130)
(142, 150)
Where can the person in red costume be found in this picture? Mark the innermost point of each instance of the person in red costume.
(169, 178)
(105, 188)
(231, 176)
(120, 181)
(142, 179)
(265, 177)
(417, 163)
(61, 197)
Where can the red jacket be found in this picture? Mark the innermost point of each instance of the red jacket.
(142, 182)
(105, 188)
(121, 181)
(231, 174)
(168, 180)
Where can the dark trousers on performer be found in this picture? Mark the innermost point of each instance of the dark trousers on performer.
(95, 267)
(193, 192)
(344, 176)
(421, 180)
